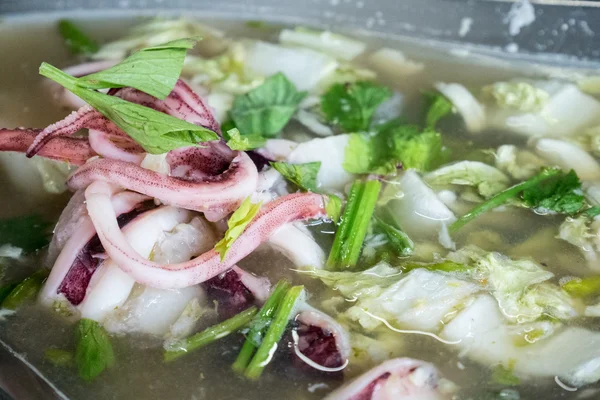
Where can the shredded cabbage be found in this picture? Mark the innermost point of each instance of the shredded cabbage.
(487, 179)
(520, 164)
(341, 47)
(394, 63)
(519, 96)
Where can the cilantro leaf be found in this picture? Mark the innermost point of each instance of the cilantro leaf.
(561, 194)
(351, 105)
(29, 233)
(438, 107)
(26, 290)
(381, 153)
(302, 175)
(244, 143)
(94, 351)
(236, 225)
(76, 41)
(265, 110)
(156, 132)
(153, 70)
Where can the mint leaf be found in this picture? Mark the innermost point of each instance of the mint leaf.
(29, 233)
(561, 194)
(438, 107)
(153, 70)
(156, 132)
(236, 225)
(26, 290)
(265, 110)
(76, 41)
(383, 152)
(302, 175)
(244, 143)
(94, 352)
(351, 105)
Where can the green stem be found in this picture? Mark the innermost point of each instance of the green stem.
(210, 334)
(259, 325)
(351, 233)
(58, 76)
(265, 352)
(502, 198)
(26, 290)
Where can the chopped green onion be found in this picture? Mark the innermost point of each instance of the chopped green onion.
(210, 334)
(583, 287)
(259, 326)
(267, 348)
(26, 290)
(502, 198)
(354, 223)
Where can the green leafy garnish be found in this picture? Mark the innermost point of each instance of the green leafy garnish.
(561, 194)
(5, 290)
(399, 241)
(236, 225)
(94, 351)
(259, 325)
(76, 41)
(153, 70)
(244, 143)
(59, 357)
(26, 290)
(352, 230)
(506, 195)
(381, 153)
(438, 107)
(156, 132)
(444, 266)
(302, 175)
(584, 287)
(29, 233)
(351, 105)
(210, 334)
(265, 110)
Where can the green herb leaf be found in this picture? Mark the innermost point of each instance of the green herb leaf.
(29, 233)
(76, 41)
(265, 110)
(302, 175)
(399, 241)
(59, 357)
(153, 70)
(156, 132)
(381, 153)
(561, 194)
(26, 290)
(438, 107)
(94, 351)
(592, 211)
(504, 196)
(352, 230)
(236, 225)
(244, 143)
(351, 105)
